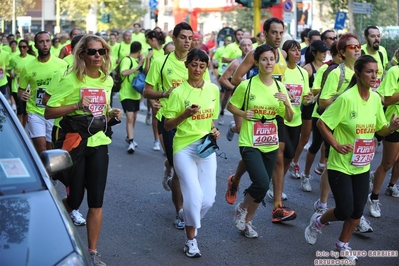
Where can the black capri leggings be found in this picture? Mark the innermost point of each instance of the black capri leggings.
(260, 167)
(90, 173)
(167, 137)
(292, 135)
(317, 138)
(350, 193)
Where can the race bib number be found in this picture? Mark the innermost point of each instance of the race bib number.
(39, 97)
(296, 91)
(98, 100)
(265, 134)
(363, 152)
(1, 73)
(277, 77)
(376, 85)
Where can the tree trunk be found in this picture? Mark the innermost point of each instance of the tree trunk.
(351, 17)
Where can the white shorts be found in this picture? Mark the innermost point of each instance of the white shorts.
(38, 126)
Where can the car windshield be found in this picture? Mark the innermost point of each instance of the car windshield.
(18, 171)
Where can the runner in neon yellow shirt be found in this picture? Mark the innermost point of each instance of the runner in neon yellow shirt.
(124, 46)
(355, 116)
(232, 50)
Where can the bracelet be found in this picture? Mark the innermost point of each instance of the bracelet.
(389, 128)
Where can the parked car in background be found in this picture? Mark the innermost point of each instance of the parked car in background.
(35, 228)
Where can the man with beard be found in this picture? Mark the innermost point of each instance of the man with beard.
(35, 79)
(372, 47)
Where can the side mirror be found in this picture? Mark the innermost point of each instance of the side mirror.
(56, 160)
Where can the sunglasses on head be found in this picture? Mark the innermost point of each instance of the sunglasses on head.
(353, 46)
(101, 51)
(22, 47)
(332, 38)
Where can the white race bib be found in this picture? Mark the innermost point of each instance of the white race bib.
(363, 152)
(265, 134)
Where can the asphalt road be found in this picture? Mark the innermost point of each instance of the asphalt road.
(138, 216)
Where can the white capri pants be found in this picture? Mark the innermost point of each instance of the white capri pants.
(197, 182)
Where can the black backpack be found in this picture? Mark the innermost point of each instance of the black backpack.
(116, 75)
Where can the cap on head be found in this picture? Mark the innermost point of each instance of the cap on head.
(319, 46)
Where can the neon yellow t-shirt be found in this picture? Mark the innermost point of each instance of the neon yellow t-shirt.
(123, 51)
(114, 49)
(389, 87)
(17, 63)
(53, 86)
(38, 75)
(56, 51)
(260, 98)
(197, 126)
(174, 73)
(6, 48)
(352, 118)
(127, 92)
(232, 51)
(69, 60)
(140, 37)
(4, 62)
(218, 56)
(299, 86)
(330, 87)
(317, 85)
(68, 92)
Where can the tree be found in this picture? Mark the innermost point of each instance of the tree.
(243, 17)
(20, 8)
(123, 13)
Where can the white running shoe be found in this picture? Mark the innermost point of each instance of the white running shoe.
(230, 133)
(77, 218)
(221, 120)
(345, 250)
(157, 146)
(313, 229)
(392, 191)
(130, 149)
(239, 217)
(270, 192)
(249, 230)
(374, 207)
(364, 226)
(191, 248)
(305, 183)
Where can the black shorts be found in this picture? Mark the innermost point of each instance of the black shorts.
(394, 137)
(280, 129)
(21, 105)
(167, 137)
(307, 111)
(225, 89)
(130, 105)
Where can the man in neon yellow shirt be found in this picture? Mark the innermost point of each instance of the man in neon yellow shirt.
(165, 74)
(35, 78)
(124, 46)
(233, 51)
(138, 36)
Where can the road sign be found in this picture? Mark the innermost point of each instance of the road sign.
(362, 8)
(153, 4)
(24, 21)
(340, 20)
(287, 17)
(288, 5)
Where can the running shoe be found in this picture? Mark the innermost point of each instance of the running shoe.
(282, 214)
(148, 119)
(167, 177)
(318, 207)
(270, 192)
(128, 141)
(191, 248)
(392, 191)
(313, 229)
(374, 207)
(179, 221)
(221, 120)
(250, 230)
(345, 252)
(77, 218)
(230, 133)
(319, 168)
(95, 256)
(157, 145)
(239, 217)
(231, 192)
(364, 226)
(305, 183)
(294, 171)
(130, 149)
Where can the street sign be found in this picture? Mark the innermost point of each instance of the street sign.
(24, 21)
(287, 17)
(288, 6)
(362, 8)
(340, 20)
(153, 4)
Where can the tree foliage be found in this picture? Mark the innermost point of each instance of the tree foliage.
(20, 8)
(123, 13)
(243, 17)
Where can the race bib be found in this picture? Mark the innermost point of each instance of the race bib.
(1, 73)
(296, 91)
(376, 85)
(363, 152)
(98, 100)
(265, 134)
(39, 97)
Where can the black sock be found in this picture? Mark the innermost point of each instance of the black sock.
(390, 185)
(374, 196)
(130, 141)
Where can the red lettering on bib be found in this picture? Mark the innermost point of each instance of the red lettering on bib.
(265, 134)
(296, 91)
(98, 100)
(363, 152)
(377, 84)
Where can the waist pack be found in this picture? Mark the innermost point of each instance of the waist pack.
(138, 82)
(208, 146)
(85, 123)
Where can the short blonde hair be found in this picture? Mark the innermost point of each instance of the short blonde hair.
(79, 66)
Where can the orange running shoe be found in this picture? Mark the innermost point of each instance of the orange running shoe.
(231, 193)
(281, 214)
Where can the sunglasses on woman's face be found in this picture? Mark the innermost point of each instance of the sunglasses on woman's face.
(22, 47)
(353, 46)
(101, 51)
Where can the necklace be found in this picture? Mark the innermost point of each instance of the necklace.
(180, 58)
(198, 86)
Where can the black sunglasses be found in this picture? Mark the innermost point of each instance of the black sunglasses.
(22, 47)
(101, 51)
(332, 38)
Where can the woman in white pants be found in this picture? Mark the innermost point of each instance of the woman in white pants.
(191, 108)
